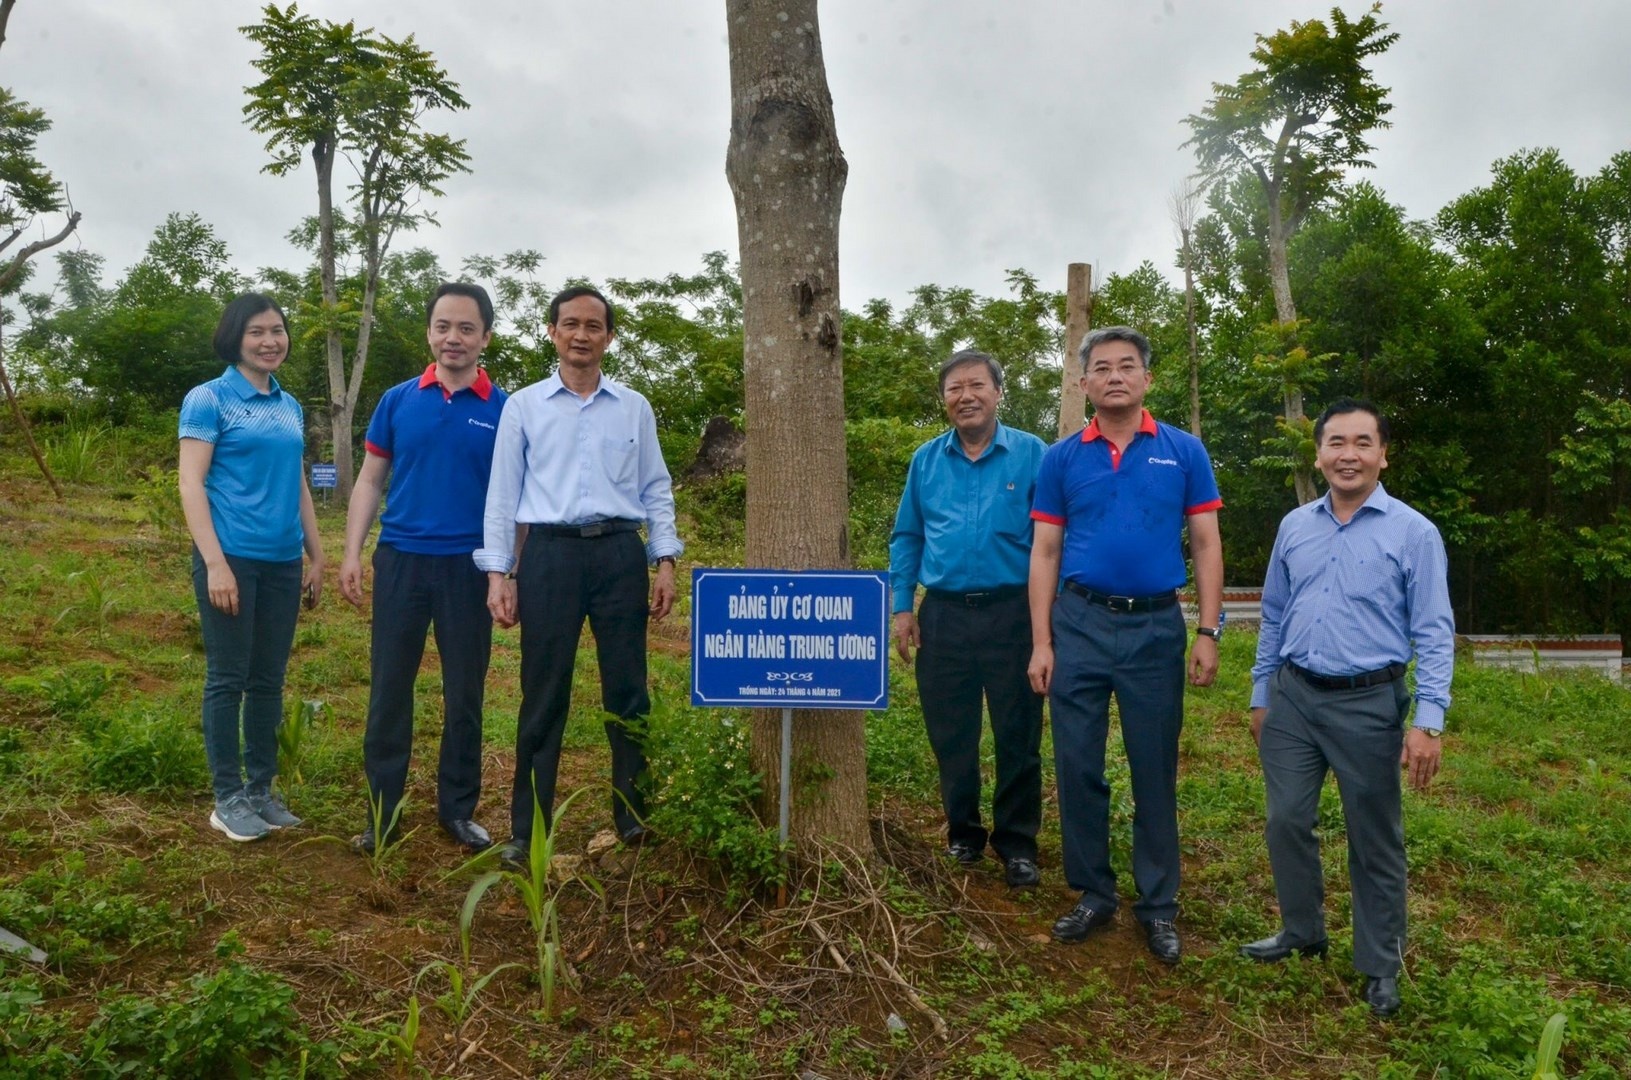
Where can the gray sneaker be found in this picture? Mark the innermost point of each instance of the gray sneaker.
(271, 809)
(235, 817)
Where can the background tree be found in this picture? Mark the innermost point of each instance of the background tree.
(27, 190)
(787, 174)
(1296, 123)
(331, 90)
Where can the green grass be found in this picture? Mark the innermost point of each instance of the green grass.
(1520, 861)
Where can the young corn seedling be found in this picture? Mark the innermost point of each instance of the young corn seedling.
(539, 895)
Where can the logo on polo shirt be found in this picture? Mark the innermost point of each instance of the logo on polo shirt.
(1162, 461)
(490, 427)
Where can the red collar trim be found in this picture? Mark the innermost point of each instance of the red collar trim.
(1146, 426)
(483, 386)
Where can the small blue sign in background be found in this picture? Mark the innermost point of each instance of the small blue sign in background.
(324, 475)
(786, 639)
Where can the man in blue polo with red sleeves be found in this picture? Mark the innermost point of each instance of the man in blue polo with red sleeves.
(1110, 509)
(432, 436)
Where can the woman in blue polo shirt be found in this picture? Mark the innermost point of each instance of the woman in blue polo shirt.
(244, 493)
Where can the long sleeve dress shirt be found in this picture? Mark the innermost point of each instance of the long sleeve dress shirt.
(561, 459)
(1343, 599)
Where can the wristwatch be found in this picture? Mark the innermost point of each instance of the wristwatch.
(1432, 733)
(669, 559)
(1213, 632)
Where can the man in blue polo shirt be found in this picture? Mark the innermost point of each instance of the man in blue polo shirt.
(964, 530)
(1110, 507)
(433, 437)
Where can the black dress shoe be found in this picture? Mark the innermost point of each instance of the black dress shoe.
(1272, 950)
(514, 854)
(636, 836)
(1021, 873)
(1161, 935)
(964, 853)
(1382, 994)
(468, 834)
(1080, 921)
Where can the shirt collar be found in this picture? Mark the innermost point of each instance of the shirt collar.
(999, 440)
(1146, 426)
(553, 385)
(1378, 500)
(246, 389)
(483, 386)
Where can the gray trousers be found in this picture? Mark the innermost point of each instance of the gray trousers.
(1358, 735)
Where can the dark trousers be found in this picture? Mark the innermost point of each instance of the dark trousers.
(1138, 656)
(1358, 735)
(969, 653)
(412, 594)
(245, 658)
(562, 581)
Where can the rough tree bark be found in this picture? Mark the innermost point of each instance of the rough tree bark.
(787, 173)
(1182, 204)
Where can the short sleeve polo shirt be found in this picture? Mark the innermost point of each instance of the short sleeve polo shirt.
(440, 446)
(255, 475)
(1122, 511)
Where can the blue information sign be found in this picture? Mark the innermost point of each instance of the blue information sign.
(324, 475)
(782, 639)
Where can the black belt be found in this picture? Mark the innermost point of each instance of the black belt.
(976, 599)
(609, 527)
(1391, 673)
(1124, 604)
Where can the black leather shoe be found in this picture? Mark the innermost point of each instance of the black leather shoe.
(1272, 950)
(468, 834)
(1080, 921)
(1161, 935)
(1021, 873)
(1382, 994)
(514, 855)
(964, 853)
(636, 836)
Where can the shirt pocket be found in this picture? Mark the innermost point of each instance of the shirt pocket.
(618, 456)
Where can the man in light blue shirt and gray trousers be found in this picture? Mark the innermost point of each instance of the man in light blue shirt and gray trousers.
(577, 473)
(964, 530)
(1357, 583)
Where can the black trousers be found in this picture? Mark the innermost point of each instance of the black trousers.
(562, 581)
(412, 594)
(969, 653)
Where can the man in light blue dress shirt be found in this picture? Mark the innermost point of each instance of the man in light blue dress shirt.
(1357, 583)
(577, 473)
(964, 530)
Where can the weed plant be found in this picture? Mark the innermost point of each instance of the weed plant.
(141, 748)
(76, 454)
(295, 736)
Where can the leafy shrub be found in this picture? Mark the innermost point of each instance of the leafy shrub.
(706, 791)
(80, 917)
(158, 497)
(142, 750)
(236, 1022)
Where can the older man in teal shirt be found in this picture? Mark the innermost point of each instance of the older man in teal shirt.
(963, 531)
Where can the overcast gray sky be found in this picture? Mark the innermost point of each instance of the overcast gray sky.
(981, 136)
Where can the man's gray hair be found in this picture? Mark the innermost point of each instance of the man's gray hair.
(971, 356)
(1098, 337)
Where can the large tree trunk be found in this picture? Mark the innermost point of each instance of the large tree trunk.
(1285, 312)
(340, 402)
(787, 173)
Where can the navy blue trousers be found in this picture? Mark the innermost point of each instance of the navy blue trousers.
(1138, 656)
(412, 594)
